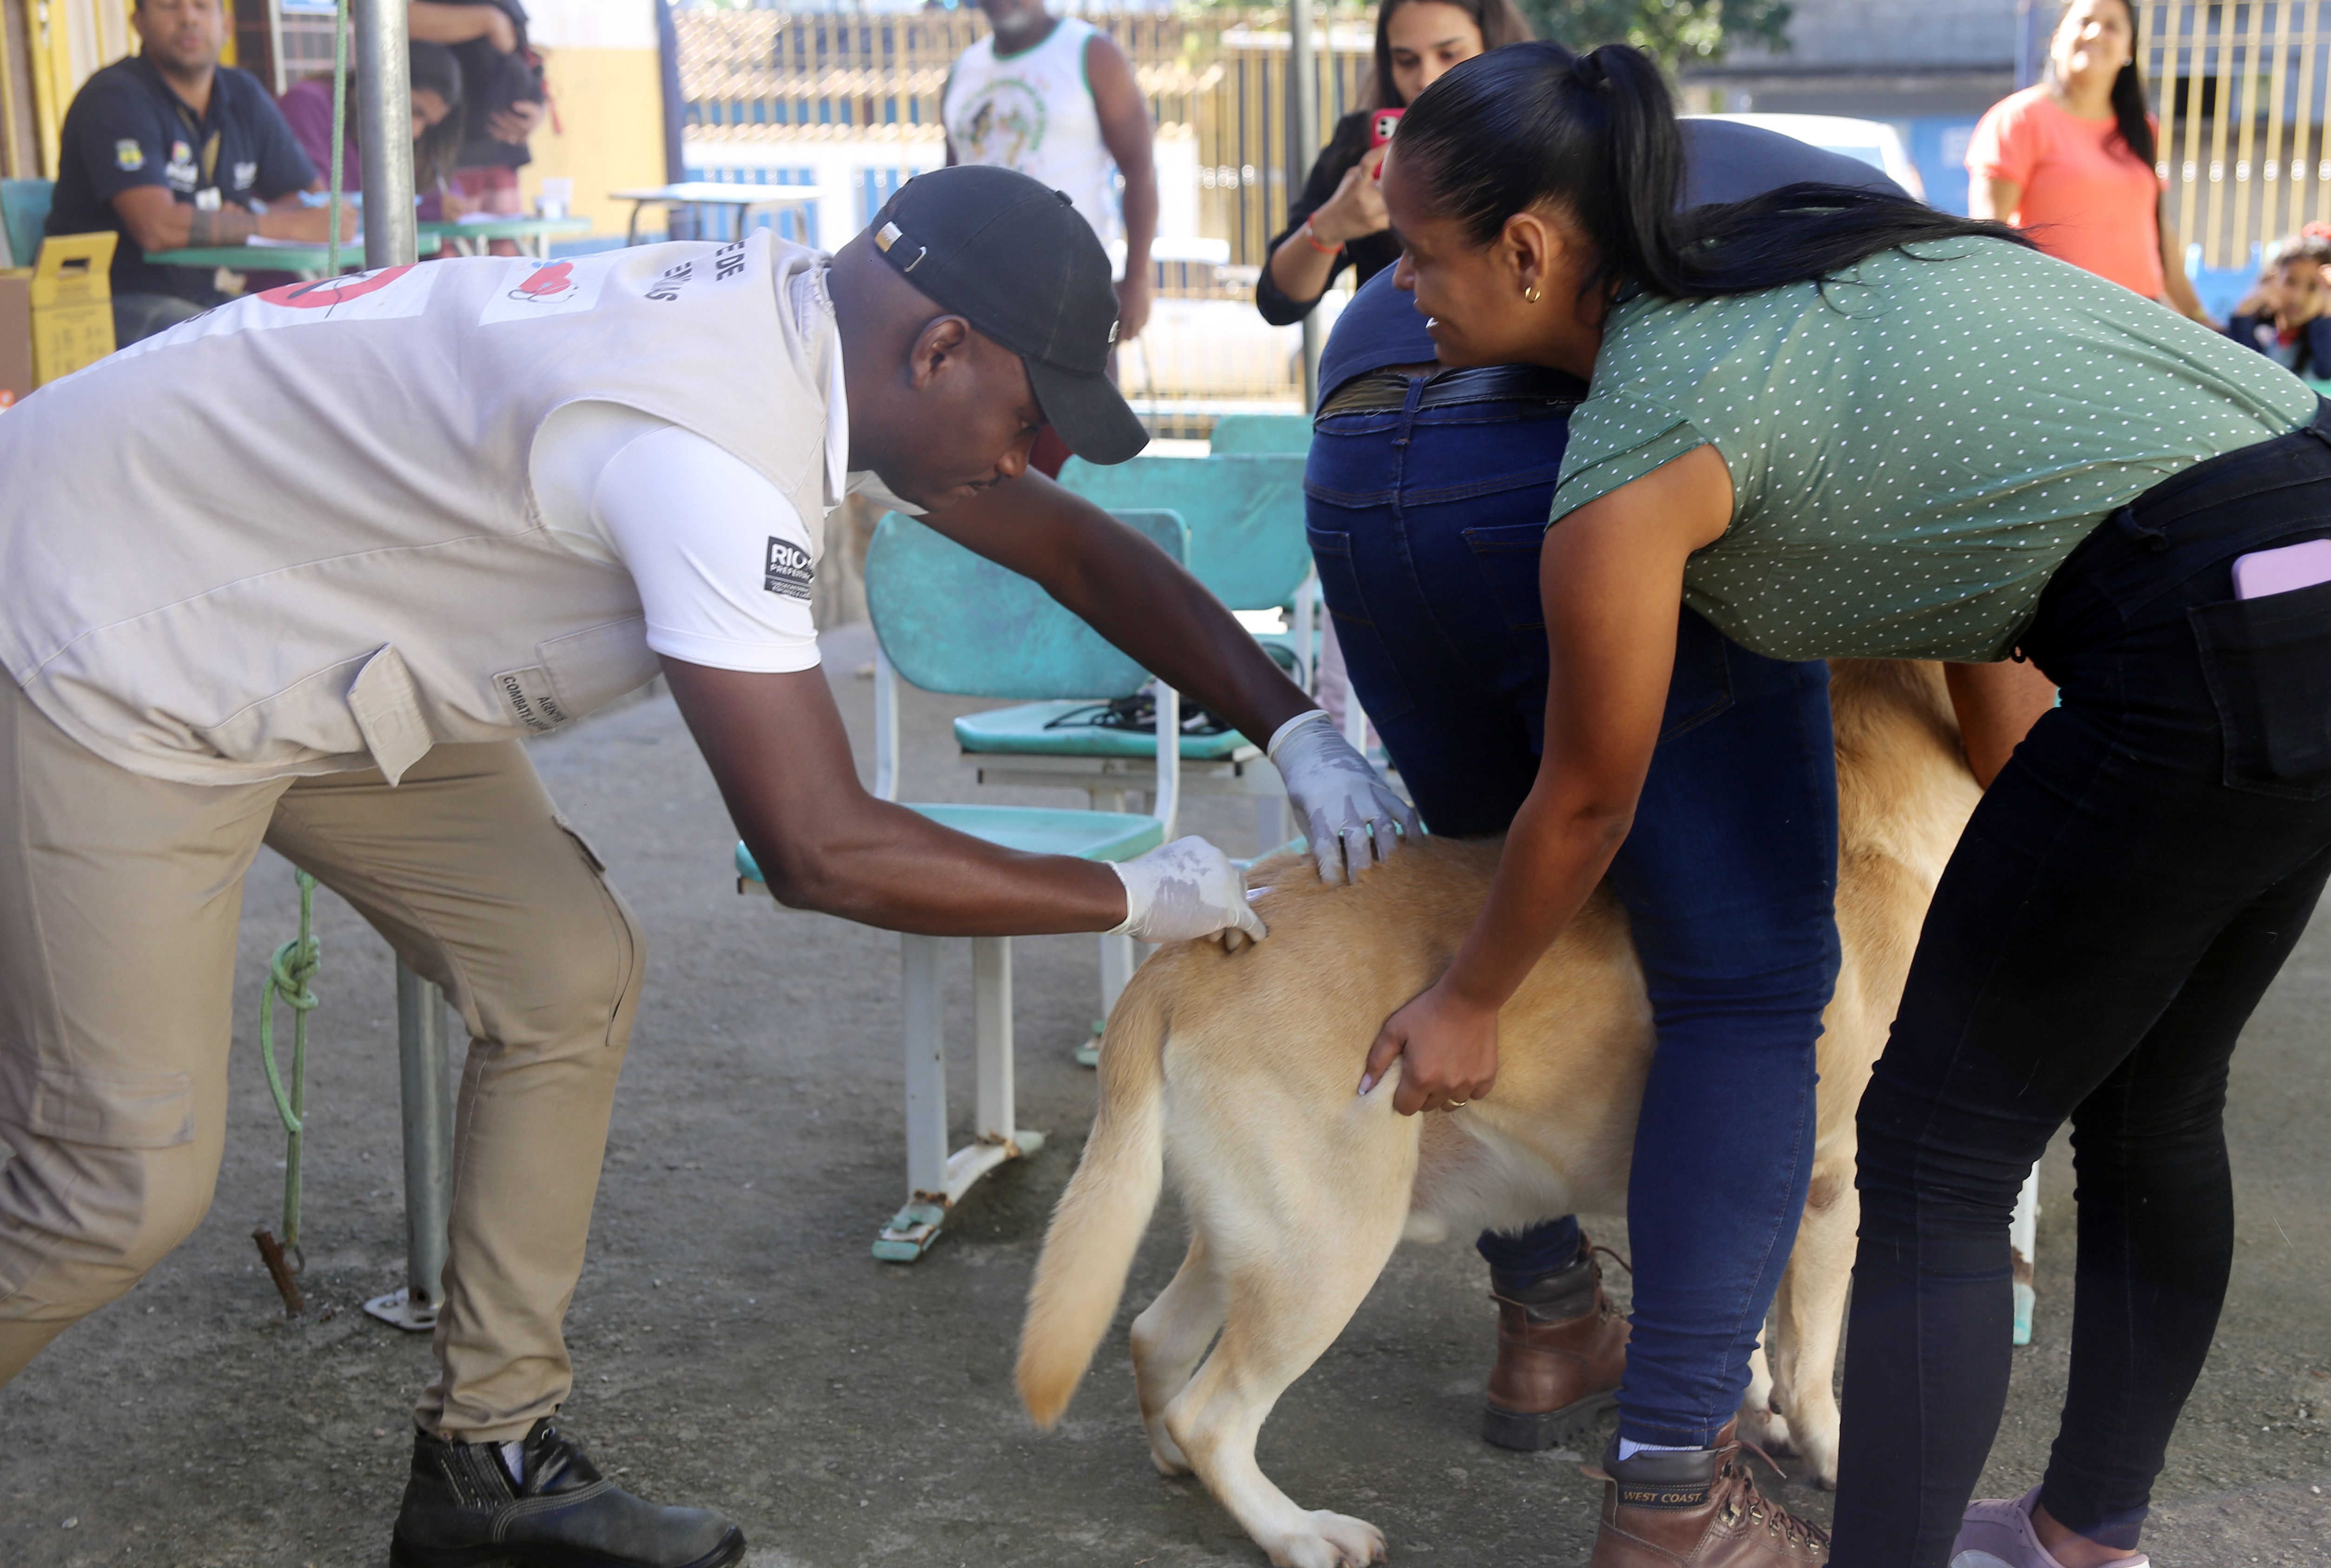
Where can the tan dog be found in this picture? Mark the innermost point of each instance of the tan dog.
(1238, 1072)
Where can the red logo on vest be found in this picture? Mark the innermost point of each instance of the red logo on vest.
(554, 281)
(329, 291)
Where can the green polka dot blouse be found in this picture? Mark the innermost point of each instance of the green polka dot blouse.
(1916, 445)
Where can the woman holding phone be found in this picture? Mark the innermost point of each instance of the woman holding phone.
(1842, 424)
(1339, 221)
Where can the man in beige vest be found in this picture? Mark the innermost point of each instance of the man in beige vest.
(458, 504)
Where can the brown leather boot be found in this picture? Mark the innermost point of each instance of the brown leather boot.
(1561, 1347)
(1699, 1510)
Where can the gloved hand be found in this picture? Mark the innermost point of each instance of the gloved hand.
(1184, 889)
(1349, 813)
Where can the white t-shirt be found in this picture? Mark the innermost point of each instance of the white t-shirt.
(723, 562)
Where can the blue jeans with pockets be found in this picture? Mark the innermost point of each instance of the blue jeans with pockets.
(1425, 523)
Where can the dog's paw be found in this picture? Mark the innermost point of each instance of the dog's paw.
(1820, 1450)
(1769, 1430)
(1166, 1455)
(1333, 1541)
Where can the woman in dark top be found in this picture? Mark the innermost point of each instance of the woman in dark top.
(1339, 221)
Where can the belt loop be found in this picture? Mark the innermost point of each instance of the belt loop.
(1409, 406)
(2125, 522)
(2319, 427)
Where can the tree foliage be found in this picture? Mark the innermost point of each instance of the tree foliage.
(1675, 32)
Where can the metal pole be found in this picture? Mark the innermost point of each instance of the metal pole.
(2031, 42)
(426, 1078)
(1303, 109)
(384, 133)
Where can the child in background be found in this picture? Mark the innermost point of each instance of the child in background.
(2288, 315)
(437, 124)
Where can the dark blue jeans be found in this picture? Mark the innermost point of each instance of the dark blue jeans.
(1426, 524)
(2131, 882)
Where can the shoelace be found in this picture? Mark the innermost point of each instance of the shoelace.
(1603, 1307)
(1791, 1530)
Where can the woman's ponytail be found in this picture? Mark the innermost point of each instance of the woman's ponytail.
(1644, 151)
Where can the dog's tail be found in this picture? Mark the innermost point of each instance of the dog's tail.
(1089, 1250)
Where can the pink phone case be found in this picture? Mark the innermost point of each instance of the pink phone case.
(2263, 572)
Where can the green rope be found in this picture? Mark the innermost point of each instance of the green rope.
(340, 132)
(295, 963)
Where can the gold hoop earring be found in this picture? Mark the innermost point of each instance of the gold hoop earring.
(1530, 295)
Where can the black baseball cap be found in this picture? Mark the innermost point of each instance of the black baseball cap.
(1017, 261)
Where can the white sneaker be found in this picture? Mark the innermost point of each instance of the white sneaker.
(1999, 1535)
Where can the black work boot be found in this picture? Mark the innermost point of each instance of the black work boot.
(462, 1509)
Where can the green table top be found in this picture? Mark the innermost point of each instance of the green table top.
(510, 229)
(1028, 731)
(275, 258)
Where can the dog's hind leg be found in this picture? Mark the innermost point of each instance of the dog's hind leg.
(1168, 1338)
(1810, 1316)
(1288, 1296)
(1760, 1424)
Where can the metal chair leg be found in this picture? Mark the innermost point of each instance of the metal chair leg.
(425, 1071)
(2022, 1246)
(990, 1027)
(1274, 824)
(936, 1179)
(916, 1225)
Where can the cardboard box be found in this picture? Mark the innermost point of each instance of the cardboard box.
(15, 334)
(57, 315)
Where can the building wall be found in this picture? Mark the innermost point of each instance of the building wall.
(605, 78)
(1876, 59)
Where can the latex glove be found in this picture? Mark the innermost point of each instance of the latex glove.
(1184, 890)
(1349, 813)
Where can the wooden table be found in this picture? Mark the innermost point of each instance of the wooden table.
(709, 194)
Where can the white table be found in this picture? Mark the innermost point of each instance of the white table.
(741, 198)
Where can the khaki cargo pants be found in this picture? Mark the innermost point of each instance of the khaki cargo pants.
(120, 897)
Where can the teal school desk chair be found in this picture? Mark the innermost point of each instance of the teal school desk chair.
(949, 620)
(1267, 433)
(24, 213)
(1245, 515)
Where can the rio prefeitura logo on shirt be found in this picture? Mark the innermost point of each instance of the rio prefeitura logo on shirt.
(788, 572)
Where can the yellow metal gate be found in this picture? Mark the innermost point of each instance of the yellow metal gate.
(2242, 89)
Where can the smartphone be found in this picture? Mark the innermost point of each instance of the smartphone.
(1381, 124)
(2264, 572)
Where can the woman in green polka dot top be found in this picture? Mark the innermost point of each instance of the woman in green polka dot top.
(1838, 423)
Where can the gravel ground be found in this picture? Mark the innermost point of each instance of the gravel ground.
(736, 1346)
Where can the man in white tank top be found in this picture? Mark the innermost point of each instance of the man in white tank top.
(1055, 98)
(455, 505)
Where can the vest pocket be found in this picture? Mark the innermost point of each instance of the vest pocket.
(388, 709)
(592, 668)
(2268, 662)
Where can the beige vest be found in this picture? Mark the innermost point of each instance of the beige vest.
(297, 535)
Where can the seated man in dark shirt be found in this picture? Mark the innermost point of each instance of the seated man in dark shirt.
(168, 150)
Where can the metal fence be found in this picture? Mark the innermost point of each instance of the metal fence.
(760, 84)
(1220, 77)
(2242, 89)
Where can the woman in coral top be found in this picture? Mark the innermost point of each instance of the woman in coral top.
(2072, 160)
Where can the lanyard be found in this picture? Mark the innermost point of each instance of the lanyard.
(194, 131)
